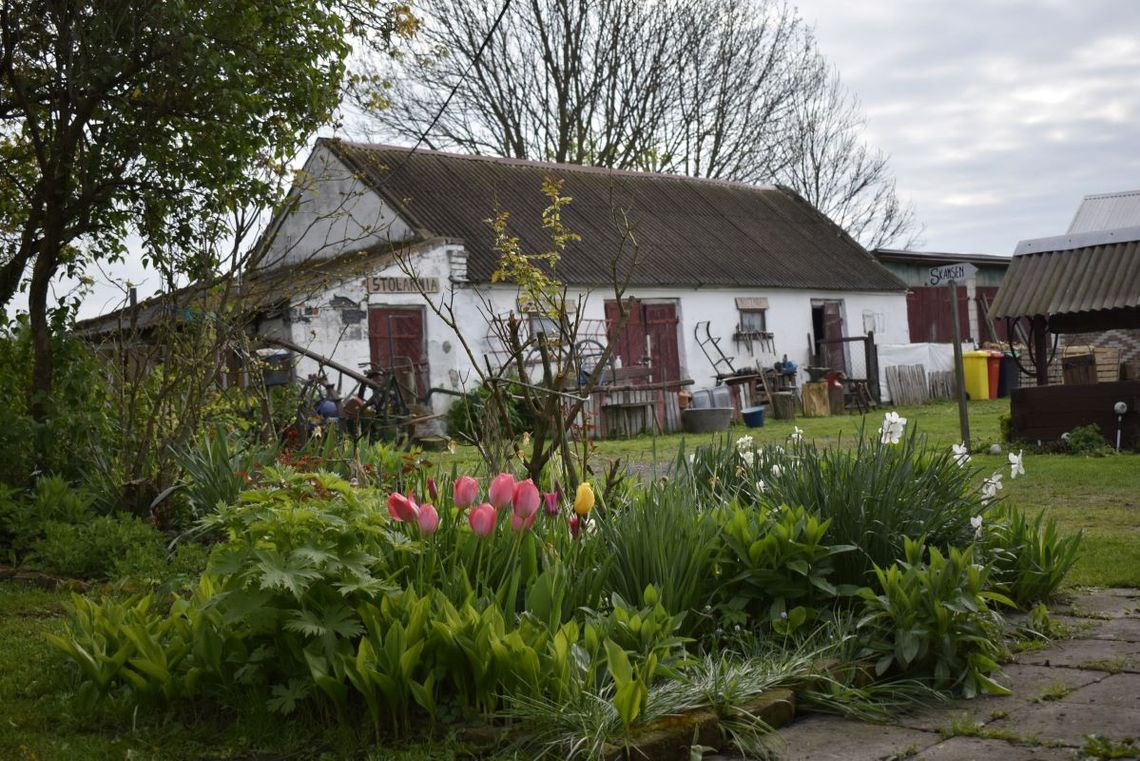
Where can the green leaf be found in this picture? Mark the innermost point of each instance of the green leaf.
(618, 663)
(290, 573)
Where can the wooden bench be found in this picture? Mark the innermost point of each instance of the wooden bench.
(627, 419)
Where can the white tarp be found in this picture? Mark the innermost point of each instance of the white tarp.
(933, 357)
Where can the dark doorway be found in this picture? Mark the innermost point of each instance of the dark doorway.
(827, 328)
(649, 338)
(396, 342)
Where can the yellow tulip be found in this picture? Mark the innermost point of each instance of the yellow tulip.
(584, 499)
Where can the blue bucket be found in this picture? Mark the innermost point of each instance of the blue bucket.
(753, 416)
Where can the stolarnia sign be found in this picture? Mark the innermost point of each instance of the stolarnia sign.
(402, 284)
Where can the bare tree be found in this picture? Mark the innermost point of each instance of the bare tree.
(838, 173)
(711, 88)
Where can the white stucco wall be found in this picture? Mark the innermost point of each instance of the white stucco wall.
(319, 326)
(331, 213)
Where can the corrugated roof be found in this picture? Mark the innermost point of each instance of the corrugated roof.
(259, 291)
(938, 257)
(1086, 279)
(691, 232)
(1107, 211)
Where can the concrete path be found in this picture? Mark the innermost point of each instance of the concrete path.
(1086, 685)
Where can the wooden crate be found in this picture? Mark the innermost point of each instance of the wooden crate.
(1106, 361)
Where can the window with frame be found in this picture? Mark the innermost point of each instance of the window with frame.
(753, 315)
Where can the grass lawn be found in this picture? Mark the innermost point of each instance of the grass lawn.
(1099, 495)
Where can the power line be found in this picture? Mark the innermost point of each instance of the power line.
(450, 95)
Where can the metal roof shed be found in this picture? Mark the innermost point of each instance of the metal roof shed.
(1068, 284)
(1084, 281)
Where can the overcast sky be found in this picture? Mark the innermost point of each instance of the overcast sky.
(998, 115)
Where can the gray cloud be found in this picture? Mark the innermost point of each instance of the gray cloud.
(998, 115)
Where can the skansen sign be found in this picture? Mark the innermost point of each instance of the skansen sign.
(959, 273)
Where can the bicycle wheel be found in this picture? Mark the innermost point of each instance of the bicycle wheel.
(587, 354)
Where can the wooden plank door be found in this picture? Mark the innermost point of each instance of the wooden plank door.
(396, 342)
(661, 329)
(630, 345)
(650, 337)
(832, 330)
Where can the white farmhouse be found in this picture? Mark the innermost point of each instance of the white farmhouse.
(756, 267)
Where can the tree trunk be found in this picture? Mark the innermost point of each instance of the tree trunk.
(43, 366)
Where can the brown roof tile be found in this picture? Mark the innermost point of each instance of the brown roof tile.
(691, 232)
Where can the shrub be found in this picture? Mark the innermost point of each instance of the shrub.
(104, 547)
(874, 495)
(1029, 559)
(662, 539)
(930, 618)
(24, 516)
(77, 424)
(471, 418)
(217, 470)
(777, 565)
(1088, 440)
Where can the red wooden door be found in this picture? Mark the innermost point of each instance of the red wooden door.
(396, 342)
(649, 338)
(661, 330)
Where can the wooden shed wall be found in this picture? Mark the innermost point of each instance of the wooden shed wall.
(1046, 412)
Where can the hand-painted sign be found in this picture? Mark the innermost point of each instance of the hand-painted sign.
(402, 284)
(959, 273)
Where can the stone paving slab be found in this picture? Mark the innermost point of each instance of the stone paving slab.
(1098, 654)
(1067, 723)
(974, 749)
(828, 738)
(1086, 685)
(1110, 603)
(1029, 683)
(1126, 629)
(1119, 690)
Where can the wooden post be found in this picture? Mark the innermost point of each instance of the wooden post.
(959, 372)
(1041, 348)
(871, 362)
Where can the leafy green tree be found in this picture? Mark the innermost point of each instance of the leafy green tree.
(157, 118)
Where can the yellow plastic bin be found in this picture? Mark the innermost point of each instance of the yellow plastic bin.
(976, 368)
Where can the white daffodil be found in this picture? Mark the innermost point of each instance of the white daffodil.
(796, 435)
(961, 454)
(776, 470)
(976, 522)
(744, 444)
(990, 487)
(1015, 466)
(892, 429)
(749, 457)
(760, 487)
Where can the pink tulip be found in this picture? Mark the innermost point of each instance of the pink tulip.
(433, 492)
(526, 499)
(482, 519)
(466, 491)
(518, 523)
(575, 525)
(502, 490)
(428, 519)
(402, 508)
(551, 499)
